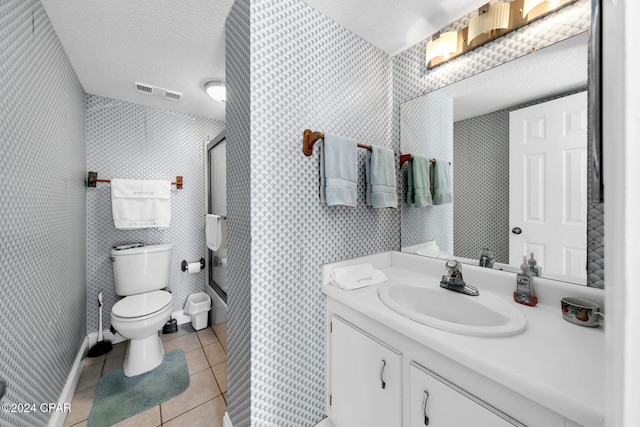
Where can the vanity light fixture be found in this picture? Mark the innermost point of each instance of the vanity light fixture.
(442, 45)
(490, 17)
(216, 90)
(494, 19)
(529, 5)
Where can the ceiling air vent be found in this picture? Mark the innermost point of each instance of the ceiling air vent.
(142, 88)
(174, 96)
(158, 91)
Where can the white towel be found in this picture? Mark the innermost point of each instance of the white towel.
(140, 203)
(356, 276)
(213, 231)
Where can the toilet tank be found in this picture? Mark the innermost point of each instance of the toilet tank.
(142, 269)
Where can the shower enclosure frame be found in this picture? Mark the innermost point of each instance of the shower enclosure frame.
(210, 281)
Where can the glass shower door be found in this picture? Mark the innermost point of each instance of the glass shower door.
(216, 172)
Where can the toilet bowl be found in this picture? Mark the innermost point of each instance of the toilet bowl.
(140, 273)
(139, 318)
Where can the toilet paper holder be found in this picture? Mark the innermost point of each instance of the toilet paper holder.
(185, 264)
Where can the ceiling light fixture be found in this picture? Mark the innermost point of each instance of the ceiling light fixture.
(216, 90)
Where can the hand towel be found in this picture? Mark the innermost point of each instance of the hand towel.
(380, 169)
(356, 276)
(140, 203)
(442, 189)
(338, 171)
(419, 182)
(213, 231)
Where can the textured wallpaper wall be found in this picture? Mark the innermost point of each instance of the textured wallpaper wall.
(292, 233)
(481, 208)
(239, 227)
(42, 206)
(126, 140)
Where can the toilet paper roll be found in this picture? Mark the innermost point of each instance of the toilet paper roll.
(194, 267)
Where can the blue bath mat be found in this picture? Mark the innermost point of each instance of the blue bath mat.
(119, 397)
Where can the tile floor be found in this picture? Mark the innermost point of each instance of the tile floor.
(202, 404)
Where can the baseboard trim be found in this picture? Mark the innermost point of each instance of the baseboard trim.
(58, 418)
(226, 420)
(325, 423)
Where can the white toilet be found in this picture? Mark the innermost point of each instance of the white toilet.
(140, 273)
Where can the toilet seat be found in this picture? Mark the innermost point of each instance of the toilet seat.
(138, 307)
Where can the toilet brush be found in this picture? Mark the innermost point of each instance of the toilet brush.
(102, 346)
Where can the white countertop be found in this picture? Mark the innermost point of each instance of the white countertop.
(553, 362)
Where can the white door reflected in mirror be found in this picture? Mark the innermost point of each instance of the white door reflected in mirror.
(548, 186)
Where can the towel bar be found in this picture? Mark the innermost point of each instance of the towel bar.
(404, 158)
(310, 139)
(92, 179)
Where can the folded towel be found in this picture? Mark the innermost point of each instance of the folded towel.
(356, 276)
(140, 203)
(419, 184)
(380, 168)
(338, 171)
(442, 189)
(213, 231)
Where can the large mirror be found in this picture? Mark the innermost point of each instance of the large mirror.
(473, 127)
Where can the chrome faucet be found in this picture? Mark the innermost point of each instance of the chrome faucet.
(486, 258)
(453, 280)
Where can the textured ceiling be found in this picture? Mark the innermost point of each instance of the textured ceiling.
(179, 45)
(174, 45)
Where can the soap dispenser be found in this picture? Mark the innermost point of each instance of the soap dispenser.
(534, 269)
(524, 293)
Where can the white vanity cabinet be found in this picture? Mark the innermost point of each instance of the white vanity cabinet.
(365, 379)
(376, 377)
(435, 402)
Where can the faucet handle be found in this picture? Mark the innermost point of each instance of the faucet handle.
(453, 267)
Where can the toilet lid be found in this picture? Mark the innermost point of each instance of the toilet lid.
(141, 304)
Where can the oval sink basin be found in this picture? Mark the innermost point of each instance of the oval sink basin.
(424, 301)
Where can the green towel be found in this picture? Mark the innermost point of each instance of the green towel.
(442, 189)
(419, 185)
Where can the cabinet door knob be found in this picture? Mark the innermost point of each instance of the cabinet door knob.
(424, 408)
(382, 383)
(516, 230)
